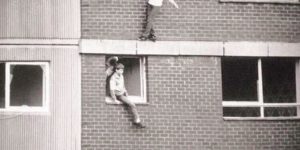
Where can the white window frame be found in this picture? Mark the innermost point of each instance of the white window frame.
(45, 101)
(260, 103)
(135, 99)
(264, 1)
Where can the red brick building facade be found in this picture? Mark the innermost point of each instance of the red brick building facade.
(183, 86)
(195, 20)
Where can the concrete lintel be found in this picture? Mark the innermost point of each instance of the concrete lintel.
(201, 48)
(90, 46)
(119, 46)
(158, 48)
(151, 48)
(284, 49)
(258, 49)
(108, 46)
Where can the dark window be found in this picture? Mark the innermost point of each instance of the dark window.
(264, 87)
(239, 79)
(132, 75)
(279, 82)
(2, 85)
(241, 111)
(26, 86)
(280, 111)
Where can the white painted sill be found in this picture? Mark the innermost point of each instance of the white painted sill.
(259, 118)
(264, 1)
(136, 100)
(20, 111)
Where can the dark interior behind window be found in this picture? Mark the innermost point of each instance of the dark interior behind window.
(280, 111)
(239, 79)
(26, 86)
(2, 85)
(279, 84)
(132, 77)
(241, 111)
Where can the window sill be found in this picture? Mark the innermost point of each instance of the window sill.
(264, 1)
(23, 112)
(258, 118)
(24, 109)
(136, 100)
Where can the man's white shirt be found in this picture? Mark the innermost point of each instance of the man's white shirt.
(156, 2)
(160, 2)
(117, 84)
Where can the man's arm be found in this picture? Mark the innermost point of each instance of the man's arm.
(126, 93)
(112, 89)
(174, 3)
(109, 71)
(113, 95)
(109, 67)
(114, 58)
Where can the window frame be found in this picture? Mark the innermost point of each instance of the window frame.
(45, 100)
(135, 99)
(260, 103)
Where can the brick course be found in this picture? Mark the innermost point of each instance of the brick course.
(196, 20)
(184, 111)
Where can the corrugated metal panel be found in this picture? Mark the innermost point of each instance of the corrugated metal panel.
(59, 129)
(40, 19)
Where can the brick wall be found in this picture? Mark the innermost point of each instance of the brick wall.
(184, 111)
(196, 20)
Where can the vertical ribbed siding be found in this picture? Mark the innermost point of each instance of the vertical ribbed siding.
(40, 19)
(60, 129)
(298, 85)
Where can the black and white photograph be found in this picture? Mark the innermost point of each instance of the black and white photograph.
(149, 74)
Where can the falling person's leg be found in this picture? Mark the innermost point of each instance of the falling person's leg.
(152, 12)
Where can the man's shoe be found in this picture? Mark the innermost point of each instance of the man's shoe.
(152, 37)
(139, 125)
(142, 38)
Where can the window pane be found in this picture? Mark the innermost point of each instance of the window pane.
(132, 75)
(239, 79)
(279, 85)
(2, 85)
(26, 86)
(280, 111)
(241, 111)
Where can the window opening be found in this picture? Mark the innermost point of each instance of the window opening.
(134, 78)
(2, 85)
(279, 80)
(236, 74)
(241, 111)
(273, 79)
(24, 86)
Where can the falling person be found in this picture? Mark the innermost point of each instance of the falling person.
(153, 7)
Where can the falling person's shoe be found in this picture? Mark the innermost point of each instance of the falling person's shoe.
(142, 38)
(152, 37)
(139, 125)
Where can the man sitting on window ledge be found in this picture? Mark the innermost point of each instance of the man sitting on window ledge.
(119, 92)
